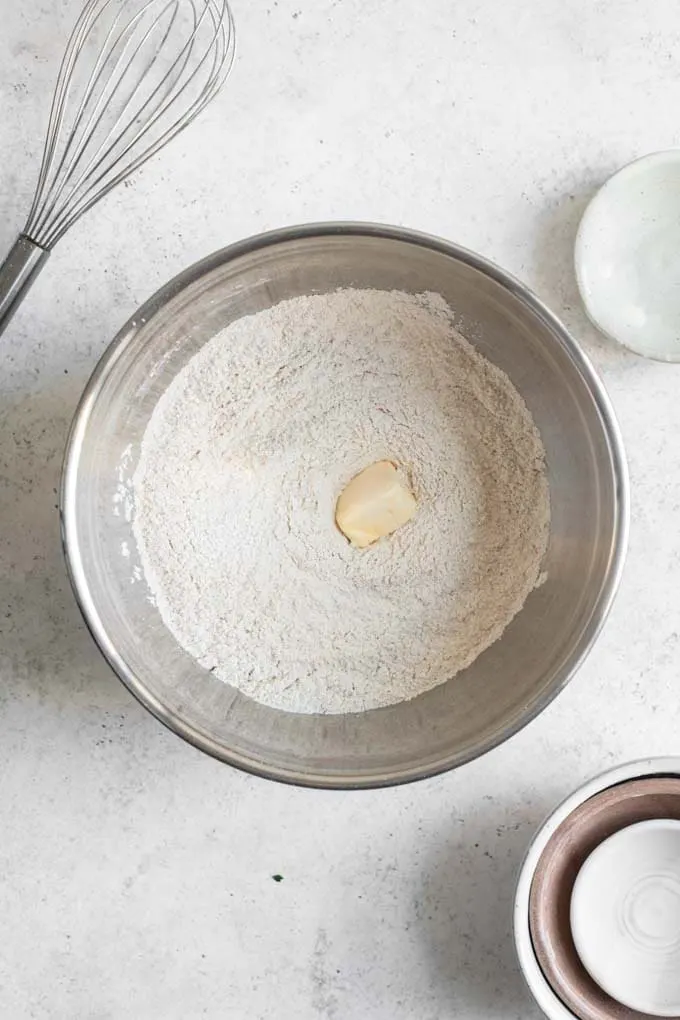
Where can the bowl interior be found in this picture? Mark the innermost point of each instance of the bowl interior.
(550, 900)
(515, 677)
(625, 915)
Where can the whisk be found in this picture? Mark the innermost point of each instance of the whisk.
(135, 73)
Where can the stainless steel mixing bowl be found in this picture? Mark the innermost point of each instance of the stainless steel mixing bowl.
(513, 679)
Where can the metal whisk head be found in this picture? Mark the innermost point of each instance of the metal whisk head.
(134, 74)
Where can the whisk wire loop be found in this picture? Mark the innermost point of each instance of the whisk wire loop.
(153, 73)
(134, 74)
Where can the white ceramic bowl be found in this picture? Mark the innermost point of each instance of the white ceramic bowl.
(627, 256)
(625, 916)
(548, 1001)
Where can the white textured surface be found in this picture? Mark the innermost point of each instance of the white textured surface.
(135, 874)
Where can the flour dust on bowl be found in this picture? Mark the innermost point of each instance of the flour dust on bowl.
(532, 652)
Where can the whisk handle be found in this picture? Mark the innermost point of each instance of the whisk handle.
(17, 273)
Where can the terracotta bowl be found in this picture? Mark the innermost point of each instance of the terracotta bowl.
(561, 860)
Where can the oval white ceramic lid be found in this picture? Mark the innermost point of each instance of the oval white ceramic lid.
(625, 916)
(627, 256)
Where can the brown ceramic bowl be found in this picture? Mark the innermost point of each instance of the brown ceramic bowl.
(550, 897)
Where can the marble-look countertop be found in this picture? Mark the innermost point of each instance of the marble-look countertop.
(136, 873)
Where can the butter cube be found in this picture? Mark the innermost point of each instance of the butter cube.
(373, 504)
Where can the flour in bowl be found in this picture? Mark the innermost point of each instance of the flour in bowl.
(240, 470)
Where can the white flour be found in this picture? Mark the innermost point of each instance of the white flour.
(240, 469)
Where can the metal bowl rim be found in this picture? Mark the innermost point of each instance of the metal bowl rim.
(126, 337)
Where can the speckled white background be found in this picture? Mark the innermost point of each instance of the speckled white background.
(135, 874)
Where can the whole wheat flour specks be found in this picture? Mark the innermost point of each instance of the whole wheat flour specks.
(240, 469)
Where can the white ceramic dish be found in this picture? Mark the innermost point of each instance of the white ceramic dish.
(625, 916)
(551, 1005)
(627, 256)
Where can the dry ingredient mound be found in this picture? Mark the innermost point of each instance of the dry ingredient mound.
(241, 466)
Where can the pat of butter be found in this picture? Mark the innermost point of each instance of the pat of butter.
(375, 503)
